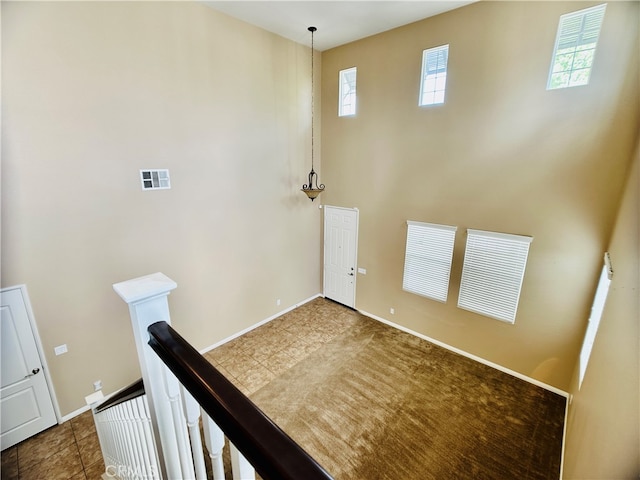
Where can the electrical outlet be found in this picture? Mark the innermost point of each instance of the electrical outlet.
(60, 349)
(392, 311)
(278, 302)
(97, 385)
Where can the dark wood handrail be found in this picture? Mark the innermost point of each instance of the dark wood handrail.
(127, 393)
(273, 454)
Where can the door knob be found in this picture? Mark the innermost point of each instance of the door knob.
(33, 372)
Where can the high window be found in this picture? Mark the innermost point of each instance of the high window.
(575, 47)
(434, 75)
(347, 99)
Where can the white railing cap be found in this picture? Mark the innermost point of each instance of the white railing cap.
(144, 287)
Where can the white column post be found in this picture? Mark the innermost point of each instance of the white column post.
(147, 300)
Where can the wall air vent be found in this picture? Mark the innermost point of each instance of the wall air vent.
(155, 179)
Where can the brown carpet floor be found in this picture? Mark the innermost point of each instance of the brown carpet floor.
(372, 402)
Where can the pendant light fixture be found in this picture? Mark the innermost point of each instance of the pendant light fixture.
(311, 190)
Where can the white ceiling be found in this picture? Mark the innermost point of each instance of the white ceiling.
(338, 22)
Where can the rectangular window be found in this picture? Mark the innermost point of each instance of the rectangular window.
(427, 262)
(575, 47)
(347, 105)
(492, 273)
(596, 314)
(434, 75)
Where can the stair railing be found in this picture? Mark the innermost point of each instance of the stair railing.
(182, 390)
(124, 429)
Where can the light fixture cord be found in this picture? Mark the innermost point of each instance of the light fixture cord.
(312, 97)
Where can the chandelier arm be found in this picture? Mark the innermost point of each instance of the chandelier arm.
(310, 186)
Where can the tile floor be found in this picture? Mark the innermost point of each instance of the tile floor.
(257, 357)
(69, 451)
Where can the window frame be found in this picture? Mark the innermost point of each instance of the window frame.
(440, 76)
(493, 274)
(585, 51)
(595, 316)
(427, 272)
(347, 109)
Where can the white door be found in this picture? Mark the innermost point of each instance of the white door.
(340, 254)
(26, 407)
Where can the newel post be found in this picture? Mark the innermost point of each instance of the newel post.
(147, 300)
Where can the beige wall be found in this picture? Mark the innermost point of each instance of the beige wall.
(603, 433)
(93, 92)
(503, 154)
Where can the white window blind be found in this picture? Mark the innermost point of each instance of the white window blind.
(427, 262)
(347, 105)
(596, 315)
(575, 47)
(434, 75)
(492, 273)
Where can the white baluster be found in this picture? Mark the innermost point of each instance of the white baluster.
(241, 468)
(130, 462)
(126, 440)
(102, 437)
(145, 440)
(121, 450)
(115, 437)
(172, 387)
(134, 432)
(192, 414)
(214, 440)
(110, 449)
(106, 442)
(145, 418)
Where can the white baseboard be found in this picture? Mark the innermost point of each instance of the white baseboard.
(260, 323)
(75, 413)
(203, 351)
(533, 381)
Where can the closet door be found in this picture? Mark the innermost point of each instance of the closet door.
(26, 407)
(340, 254)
